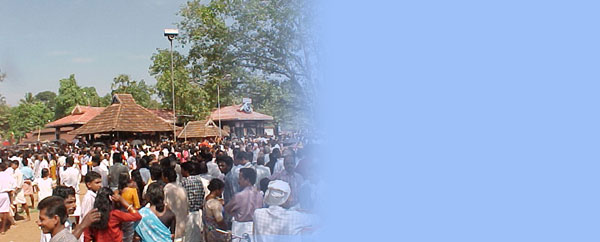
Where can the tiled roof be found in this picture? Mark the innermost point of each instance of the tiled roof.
(233, 113)
(201, 129)
(124, 115)
(166, 115)
(47, 134)
(79, 115)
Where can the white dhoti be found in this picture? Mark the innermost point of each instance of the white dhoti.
(193, 227)
(4, 202)
(241, 228)
(20, 197)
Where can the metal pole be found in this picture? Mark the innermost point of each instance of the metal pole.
(219, 110)
(173, 94)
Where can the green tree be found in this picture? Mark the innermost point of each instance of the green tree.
(141, 92)
(189, 97)
(29, 115)
(4, 116)
(251, 40)
(48, 98)
(70, 94)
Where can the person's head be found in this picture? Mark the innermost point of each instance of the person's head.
(289, 164)
(247, 177)
(278, 193)
(14, 164)
(117, 157)
(124, 181)
(70, 161)
(25, 162)
(136, 177)
(225, 163)
(169, 175)
(104, 205)
(68, 194)
(187, 168)
(96, 160)
(156, 196)
(45, 172)
(216, 186)
(3, 166)
(93, 181)
(155, 172)
(264, 184)
(53, 213)
(260, 160)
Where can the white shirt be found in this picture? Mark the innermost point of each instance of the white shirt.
(87, 204)
(7, 182)
(278, 166)
(70, 177)
(279, 224)
(45, 187)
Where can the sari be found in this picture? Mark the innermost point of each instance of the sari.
(150, 228)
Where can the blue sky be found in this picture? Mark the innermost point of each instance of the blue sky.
(45, 41)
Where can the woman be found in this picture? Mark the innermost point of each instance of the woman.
(129, 192)
(212, 214)
(111, 219)
(158, 221)
(139, 185)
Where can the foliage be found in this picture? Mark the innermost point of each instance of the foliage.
(48, 98)
(253, 40)
(29, 115)
(189, 97)
(70, 95)
(141, 92)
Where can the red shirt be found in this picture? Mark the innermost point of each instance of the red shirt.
(113, 232)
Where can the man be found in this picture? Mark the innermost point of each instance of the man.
(52, 218)
(131, 160)
(115, 171)
(225, 163)
(6, 187)
(101, 169)
(243, 161)
(290, 176)
(19, 192)
(276, 223)
(193, 185)
(243, 204)
(177, 200)
(262, 171)
(71, 176)
(155, 176)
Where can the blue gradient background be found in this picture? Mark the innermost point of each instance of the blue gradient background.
(461, 120)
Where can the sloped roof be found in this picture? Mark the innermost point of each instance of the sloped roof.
(165, 115)
(233, 113)
(79, 115)
(124, 115)
(47, 134)
(201, 129)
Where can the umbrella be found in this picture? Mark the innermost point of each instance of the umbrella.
(60, 141)
(136, 142)
(98, 144)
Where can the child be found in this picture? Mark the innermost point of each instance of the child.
(93, 181)
(44, 185)
(52, 218)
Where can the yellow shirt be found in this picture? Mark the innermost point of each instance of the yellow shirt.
(131, 196)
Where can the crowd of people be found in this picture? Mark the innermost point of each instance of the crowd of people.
(248, 189)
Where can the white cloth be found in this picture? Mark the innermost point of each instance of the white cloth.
(277, 193)
(193, 227)
(261, 172)
(213, 169)
(279, 224)
(20, 193)
(278, 166)
(44, 186)
(71, 177)
(103, 171)
(87, 204)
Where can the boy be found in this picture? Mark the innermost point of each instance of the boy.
(93, 181)
(52, 218)
(44, 185)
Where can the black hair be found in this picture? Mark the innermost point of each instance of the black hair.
(96, 159)
(70, 161)
(63, 191)
(264, 184)
(54, 206)
(137, 178)
(143, 162)
(104, 206)
(225, 159)
(215, 184)
(155, 172)
(14, 162)
(260, 160)
(45, 172)
(165, 162)
(25, 162)
(156, 196)
(248, 155)
(117, 158)
(2, 166)
(249, 174)
(91, 176)
(202, 168)
(123, 180)
(170, 174)
(188, 167)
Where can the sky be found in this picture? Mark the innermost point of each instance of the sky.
(42, 42)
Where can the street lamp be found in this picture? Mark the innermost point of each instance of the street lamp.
(171, 34)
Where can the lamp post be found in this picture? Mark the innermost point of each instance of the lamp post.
(171, 34)
(227, 77)
(185, 126)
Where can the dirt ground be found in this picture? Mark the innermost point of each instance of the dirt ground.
(29, 231)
